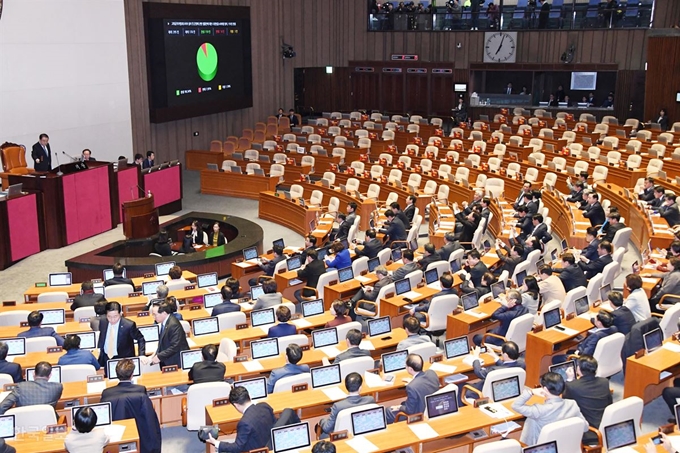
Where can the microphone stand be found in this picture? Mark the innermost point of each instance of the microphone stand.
(59, 172)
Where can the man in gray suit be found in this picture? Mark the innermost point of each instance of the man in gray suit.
(353, 339)
(408, 267)
(423, 383)
(270, 297)
(412, 328)
(38, 391)
(353, 383)
(291, 368)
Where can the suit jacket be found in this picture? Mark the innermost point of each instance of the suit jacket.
(395, 230)
(552, 289)
(532, 208)
(610, 230)
(477, 272)
(671, 214)
(505, 316)
(127, 333)
(588, 345)
(148, 163)
(590, 251)
(409, 212)
(404, 270)
(268, 300)
(38, 152)
(119, 281)
(412, 340)
(282, 330)
(341, 260)
(13, 369)
(5, 448)
(427, 260)
(525, 226)
(206, 371)
(572, 277)
(86, 300)
(351, 353)
(221, 240)
(171, 343)
(225, 307)
(655, 203)
(539, 415)
(163, 249)
(482, 372)
(371, 248)
(34, 332)
(541, 233)
(447, 249)
(311, 274)
(423, 384)
(328, 424)
(592, 396)
(623, 319)
(595, 213)
(29, 393)
(269, 267)
(663, 122)
(647, 194)
(468, 230)
(509, 262)
(252, 431)
(576, 196)
(288, 369)
(595, 267)
(377, 286)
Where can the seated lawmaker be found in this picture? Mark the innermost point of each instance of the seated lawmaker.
(670, 283)
(604, 326)
(430, 256)
(623, 318)
(283, 328)
(513, 256)
(353, 382)
(226, 306)
(339, 309)
(413, 337)
(570, 273)
(209, 369)
(409, 266)
(9, 368)
(35, 329)
(612, 225)
(423, 383)
(590, 250)
(311, 273)
(76, 356)
(370, 293)
(509, 311)
(291, 368)
(593, 267)
(150, 160)
(509, 359)
(371, 247)
(163, 244)
(446, 283)
(550, 285)
(450, 246)
(216, 238)
(475, 267)
(339, 257)
(637, 301)
(38, 391)
(271, 296)
(268, 265)
(87, 296)
(395, 231)
(175, 276)
(669, 210)
(83, 438)
(118, 279)
(353, 342)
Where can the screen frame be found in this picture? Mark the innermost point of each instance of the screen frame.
(286, 427)
(270, 309)
(434, 395)
(510, 378)
(336, 366)
(278, 350)
(372, 409)
(74, 409)
(375, 321)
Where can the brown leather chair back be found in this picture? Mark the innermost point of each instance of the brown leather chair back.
(14, 159)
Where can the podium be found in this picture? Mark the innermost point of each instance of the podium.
(140, 218)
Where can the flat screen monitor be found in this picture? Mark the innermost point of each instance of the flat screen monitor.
(53, 317)
(431, 276)
(470, 300)
(250, 253)
(257, 387)
(108, 274)
(561, 369)
(379, 326)
(15, 346)
(540, 263)
(564, 245)
(620, 435)
(278, 242)
(373, 263)
(460, 87)
(211, 299)
(149, 288)
(87, 340)
(553, 255)
(326, 375)
(293, 263)
(260, 349)
(291, 437)
(583, 81)
(103, 411)
(162, 269)
(345, 274)
(604, 292)
(205, 326)
(111, 367)
(312, 308)
(54, 377)
(262, 317)
(457, 347)
(552, 317)
(581, 305)
(653, 340)
(548, 447)
(396, 254)
(505, 389)
(325, 337)
(368, 421)
(439, 404)
(207, 280)
(520, 277)
(60, 279)
(151, 333)
(256, 291)
(497, 289)
(322, 252)
(394, 361)
(98, 290)
(190, 357)
(7, 426)
(402, 286)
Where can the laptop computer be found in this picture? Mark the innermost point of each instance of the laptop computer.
(162, 269)
(256, 291)
(111, 367)
(53, 317)
(261, 349)
(396, 254)
(403, 288)
(373, 263)
(294, 263)
(345, 274)
(262, 317)
(54, 377)
(324, 337)
(324, 376)
(211, 299)
(149, 288)
(604, 292)
(653, 340)
(505, 389)
(581, 305)
(548, 447)
(620, 435)
(250, 254)
(394, 361)
(291, 437)
(103, 411)
(457, 347)
(312, 308)
(440, 404)
(379, 326)
(190, 357)
(431, 276)
(561, 369)
(15, 346)
(279, 242)
(205, 326)
(7, 426)
(470, 300)
(207, 280)
(60, 279)
(368, 421)
(519, 277)
(257, 387)
(497, 289)
(552, 318)
(107, 274)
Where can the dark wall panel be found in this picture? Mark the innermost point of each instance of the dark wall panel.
(663, 78)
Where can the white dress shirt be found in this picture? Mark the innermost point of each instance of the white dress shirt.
(638, 304)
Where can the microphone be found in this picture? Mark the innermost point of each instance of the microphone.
(59, 172)
(140, 188)
(69, 156)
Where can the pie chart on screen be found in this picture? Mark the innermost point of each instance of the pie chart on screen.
(206, 60)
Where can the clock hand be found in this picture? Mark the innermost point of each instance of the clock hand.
(501, 45)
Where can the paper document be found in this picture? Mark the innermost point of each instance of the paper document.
(568, 331)
(672, 346)
(470, 359)
(362, 279)
(244, 264)
(374, 380)
(650, 280)
(495, 410)
(504, 427)
(335, 393)
(330, 351)
(476, 314)
(361, 444)
(423, 431)
(438, 366)
(301, 323)
(10, 358)
(115, 432)
(367, 345)
(96, 387)
(252, 365)
(665, 374)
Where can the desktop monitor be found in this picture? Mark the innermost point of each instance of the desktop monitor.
(291, 437)
(431, 276)
(322, 252)
(394, 361)
(604, 292)
(108, 274)
(402, 286)
(505, 389)
(103, 411)
(260, 349)
(60, 279)
(653, 340)
(548, 447)
(262, 317)
(379, 326)
(53, 317)
(620, 435)
(564, 244)
(326, 375)
(111, 367)
(497, 289)
(190, 357)
(520, 277)
(257, 387)
(211, 299)
(396, 254)
(15, 346)
(151, 333)
(98, 290)
(552, 317)
(470, 300)
(373, 263)
(87, 340)
(278, 242)
(163, 269)
(312, 308)
(439, 404)
(206, 280)
(325, 337)
(553, 255)
(345, 274)
(581, 305)
(250, 253)
(205, 326)
(561, 369)
(457, 347)
(539, 264)
(256, 291)
(293, 263)
(7, 426)
(368, 421)
(54, 377)
(149, 288)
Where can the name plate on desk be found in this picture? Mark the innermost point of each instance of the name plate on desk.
(436, 358)
(571, 316)
(9, 303)
(96, 280)
(300, 388)
(143, 314)
(538, 329)
(414, 418)
(8, 387)
(295, 316)
(41, 284)
(374, 371)
(220, 402)
(134, 294)
(241, 326)
(149, 275)
(56, 429)
(189, 287)
(23, 324)
(169, 369)
(195, 307)
(95, 378)
(154, 392)
(240, 358)
(639, 353)
(83, 320)
(339, 435)
(53, 349)
(481, 402)
(304, 347)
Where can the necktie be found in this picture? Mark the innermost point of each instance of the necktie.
(45, 149)
(162, 330)
(111, 347)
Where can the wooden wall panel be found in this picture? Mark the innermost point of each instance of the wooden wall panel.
(663, 78)
(666, 13)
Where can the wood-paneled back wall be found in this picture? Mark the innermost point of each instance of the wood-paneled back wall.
(663, 78)
(332, 33)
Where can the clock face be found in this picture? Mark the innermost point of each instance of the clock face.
(500, 47)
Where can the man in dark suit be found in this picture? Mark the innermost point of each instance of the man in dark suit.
(576, 194)
(604, 326)
(395, 231)
(590, 251)
(291, 368)
(253, 431)
(446, 283)
(410, 209)
(346, 222)
(227, 306)
(150, 160)
(118, 279)
(370, 293)
(125, 368)
(430, 256)
(475, 267)
(612, 225)
(372, 245)
(669, 210)
(511, 259)
(590, 392)
(117, 335)
(512, 310)
(38, 391)
(283, 328)
(268, 266)
(13, 369)
(540, 229)
(87, 296)
(508, 359)
(293, 118)
(526, 188)
(469, 224)
(42, 154)
(172, 339)
(314, 269)
(656, 202)
(353, 340)
(35, 329)
(594, 211)
(208, 370)
(623, 317)
(570, 273)
(409, 266)
(450, 246)
(353, 382)
(647, 192)
(399, 214)
(594, 267)
(525, 225)
(422, 384)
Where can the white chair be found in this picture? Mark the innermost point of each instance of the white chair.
(55, 296)
(430, 188)
(609, 273)
(414, 180)
(344, 419)
(426, 165)
(621, 411)
(499, 446)
(186, 326)
(622, 238)
(342, 329)
(613, 157)
(600, 173)
(388, 135)
(361, 133)
(5, 379)
(669, 321)
(593, 289)
(462, 174)
(334, 131)
(608, 355)
(227, 164)
(531, 175)
(330, 176)
(352, 185)
(314, 138)
(75, 373)
(33, 418)
(517, 332)
(375, 310)
(373, 192)
(364, 143)
(497, 375)
(653, 166)
(39, 344)
(550, 180)
(550, 305)
(231, 320)
(424, 350)
(413, 129)
(286, 384)
(227, 349)
(377, 171)
(333, 206)
(13, 318)
(568, 304)
(634, 161)
(494, 164)
(356, 365)
(198, 397)
(296, 191)
(118, 291)
(279, 158)
(277, 170)
(251, 154)
(440, 308)
(339, 152)
(566, 432)
(594, 153)
(358, 166)
(308, 161)
(83, 312)
(395, 175)
(316, 199)
(298, 339)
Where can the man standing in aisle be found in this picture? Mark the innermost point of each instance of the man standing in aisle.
(42, 154)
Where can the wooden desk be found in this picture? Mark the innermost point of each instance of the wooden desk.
(469, 325)
(286, 212)
(643, 375)
(236, 185)
(392, 307)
